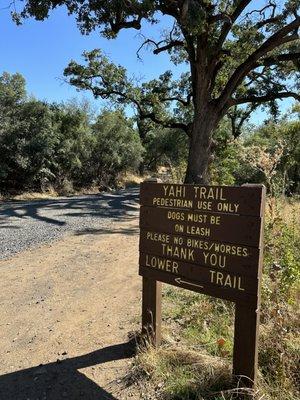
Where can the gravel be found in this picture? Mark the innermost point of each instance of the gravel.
(24, 225)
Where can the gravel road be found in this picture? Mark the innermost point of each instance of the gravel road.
(25, 225)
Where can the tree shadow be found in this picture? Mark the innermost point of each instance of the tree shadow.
(107, 230)
(62, 379)
(60, 212)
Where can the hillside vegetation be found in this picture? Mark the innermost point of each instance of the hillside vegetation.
(68, 146)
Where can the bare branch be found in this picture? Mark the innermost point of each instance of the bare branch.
(185, 103)
(263, 10)
(159, 47)
(174, 43)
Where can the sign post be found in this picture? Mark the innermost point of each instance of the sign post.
(208, 239)
(151, 313)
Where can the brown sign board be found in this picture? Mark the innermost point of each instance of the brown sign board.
(207, 239)
(238, 229)
(225, 199)
(199, 277)
(203, 286)
(240, 259)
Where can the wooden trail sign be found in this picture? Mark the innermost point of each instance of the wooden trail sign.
(208, 239)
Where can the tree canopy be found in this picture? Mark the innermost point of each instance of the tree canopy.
(240, 54)
(60, 145)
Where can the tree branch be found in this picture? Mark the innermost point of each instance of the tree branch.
(142, 113)
(241, 5)
(277, 39)
(265, 98)
(174, 43)
(159, 48)
(185, 103)
(166, 124)
(266, 62)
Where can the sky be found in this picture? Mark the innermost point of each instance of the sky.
(41, 50)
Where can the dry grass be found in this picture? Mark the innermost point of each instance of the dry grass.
(186, 370)
(130, 179)
(173, 372)
(31, 196)
(125, 181)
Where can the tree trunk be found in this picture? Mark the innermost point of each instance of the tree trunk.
(200, 147)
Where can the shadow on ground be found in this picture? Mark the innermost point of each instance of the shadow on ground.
(63, 379)
(60, 212)
(106, 230)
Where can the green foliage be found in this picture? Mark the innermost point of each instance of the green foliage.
(164, 147)
(116, 147)
(26, 143)
(280, 344)
(59, 145)
(269, 154)
(12, 90)
(282, 255)
(73, 140)
(226, 156)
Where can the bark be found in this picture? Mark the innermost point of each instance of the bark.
(200, 150)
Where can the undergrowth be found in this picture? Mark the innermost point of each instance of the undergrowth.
(194, 362)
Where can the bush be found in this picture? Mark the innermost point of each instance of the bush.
(60, 145)
(115, 148)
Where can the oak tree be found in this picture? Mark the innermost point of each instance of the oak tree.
(240, 53)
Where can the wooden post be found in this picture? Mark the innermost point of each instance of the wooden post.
(151, 305)
(151, 312)
(246, 326)
(245, 352)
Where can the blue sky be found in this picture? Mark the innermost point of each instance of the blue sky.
(41, 50)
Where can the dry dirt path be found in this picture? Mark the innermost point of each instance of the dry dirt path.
(66, 310)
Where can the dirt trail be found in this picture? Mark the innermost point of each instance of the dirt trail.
(66, 311)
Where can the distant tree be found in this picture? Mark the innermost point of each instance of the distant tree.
(239, 53)
(12, 90)
(61, 145)
(12, 95)
(27, 147)
(115, 148)
(164, 146)
(73, 140)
